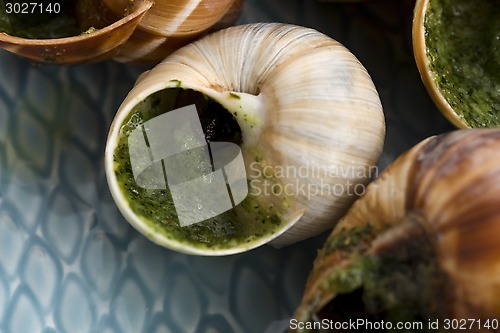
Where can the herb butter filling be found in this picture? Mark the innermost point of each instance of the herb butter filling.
(156, 208)
(463, 46)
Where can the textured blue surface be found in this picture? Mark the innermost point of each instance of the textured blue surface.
(68, 260)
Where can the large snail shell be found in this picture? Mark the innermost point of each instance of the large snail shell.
(444, 192)
(140, 31)
(302, 102)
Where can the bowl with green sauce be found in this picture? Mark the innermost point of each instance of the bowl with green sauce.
(456, 45)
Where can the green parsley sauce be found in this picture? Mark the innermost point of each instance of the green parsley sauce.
(156, 208)
(463, 46)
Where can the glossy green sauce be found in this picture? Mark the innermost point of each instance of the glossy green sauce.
(156, 207)
(463, 45)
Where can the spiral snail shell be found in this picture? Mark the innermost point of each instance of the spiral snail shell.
(421, 243)
(309, 116)
(132, 31)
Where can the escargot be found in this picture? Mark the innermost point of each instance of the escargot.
(133, 31)
(303, 110)
(421, 245)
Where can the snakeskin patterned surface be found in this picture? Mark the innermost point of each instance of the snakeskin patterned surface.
(70, 263)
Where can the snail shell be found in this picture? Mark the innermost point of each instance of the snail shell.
(306, 108)
(434, 212)
(172, 24)
(138, 31)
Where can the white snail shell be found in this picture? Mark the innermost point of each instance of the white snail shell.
(302, 101)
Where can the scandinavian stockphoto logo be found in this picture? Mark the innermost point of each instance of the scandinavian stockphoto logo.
(205, 179)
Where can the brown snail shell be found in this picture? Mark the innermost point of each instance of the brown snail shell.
(425, 235)
(100, 45)
(140, 31)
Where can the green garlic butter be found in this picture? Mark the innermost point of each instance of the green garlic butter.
(156, 208)
(463, 46)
